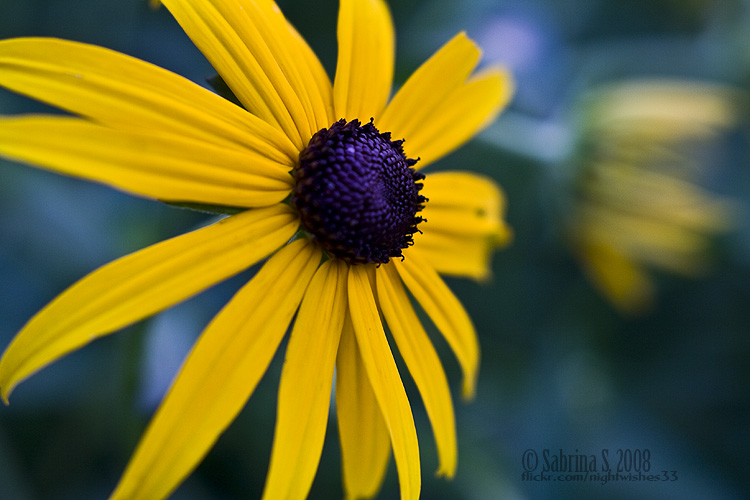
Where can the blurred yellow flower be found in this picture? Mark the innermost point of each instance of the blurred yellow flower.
(638, 205)
(325, 194)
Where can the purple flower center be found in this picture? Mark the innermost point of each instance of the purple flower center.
(357, 193)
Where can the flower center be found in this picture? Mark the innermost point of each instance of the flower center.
(357, 193)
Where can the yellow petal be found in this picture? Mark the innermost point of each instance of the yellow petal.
(141, 284)
(423, 362)
(451, 255)
(305, 389)
(365, 445)
(649, 240)
(680, 102)
(445, 310)
(429, 86)
(464, 223)
(219, 375)
(149, 164)
(620, 279)
(316, 71)
(252, 47)
(125, 93)
(275, 43)
(462, 115)
(657, 195)
(364, 70)
(386, 382)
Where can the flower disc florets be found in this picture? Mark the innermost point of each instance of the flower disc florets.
(357, 193)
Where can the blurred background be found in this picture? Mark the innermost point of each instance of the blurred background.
(616, 320)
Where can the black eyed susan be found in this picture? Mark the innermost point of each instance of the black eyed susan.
(639, 205)
(327, 180)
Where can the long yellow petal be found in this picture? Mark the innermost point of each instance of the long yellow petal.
(141, 284)
(464, 223)
(285, 57)
(305, 389)
(445, 310)
(386, 382)
(219, 375)
(463, 114)
(429, 86)
(125, 93)
(317, 72)
(365, 445)
(258, 56)
(364, 70)
(451, 255)
(149, 164)
(423, 362)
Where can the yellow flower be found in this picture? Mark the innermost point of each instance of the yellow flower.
(638, 205)
(338, 232)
